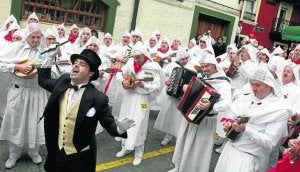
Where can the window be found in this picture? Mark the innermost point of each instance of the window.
(91, 13)
(250, 10)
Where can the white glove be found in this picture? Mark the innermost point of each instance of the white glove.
(53, 53)
(124, 124)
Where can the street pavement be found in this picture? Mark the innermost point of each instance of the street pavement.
(156, 158)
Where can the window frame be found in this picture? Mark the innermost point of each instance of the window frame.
(16, 6)
(81, 13)
(256, 12)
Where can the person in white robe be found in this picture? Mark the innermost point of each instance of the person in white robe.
(74, 34)
(151, 45)
(191, 48)
(225, 56)
(169, 117)
(84, 36)
(10, 20)
(268, 113)
(194, 143)
(26, 100)
(136, 102)
(163, 56)
(6, 36)
(157, 34)
(246, 64)
(61, 32)
(204, 47)
(136, 35)
(32, 18)
(107, 45)
(113, 85)
(17, 37)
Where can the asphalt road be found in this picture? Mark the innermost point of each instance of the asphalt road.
(158, 158)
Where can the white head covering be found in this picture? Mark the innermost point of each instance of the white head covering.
(193, 41)
(208, 44)
(14, 26)
(86, 30)
(181, 53)
(93, 40)
(263, 74)
(156, 31)
(10, 18)
(277, 51)
(139, 48)
(211, 59)
(33, 27)
(137, 32)
(266, 52)
(208, 58)
(61, 26)
(166, 39)
(33, 16)
(252, 51)
(50, 32)
(231, 45)
(74, 26)
(126, 34)
(18, 33)
(234, 50)
(154, 37)
(295, 71)
(107, 35)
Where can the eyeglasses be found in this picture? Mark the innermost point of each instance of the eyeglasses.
(202, 42)
(262, 54)
(51, 39)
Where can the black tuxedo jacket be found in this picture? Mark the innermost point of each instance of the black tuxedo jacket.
(84, 132)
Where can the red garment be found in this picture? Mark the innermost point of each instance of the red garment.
(284, 165)
(163, 51)
(296, 61)
(137, 67)
(72, 38)
(173, 48)
(8, 38)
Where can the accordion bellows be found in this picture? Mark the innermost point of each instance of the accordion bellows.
(179, 77)
(198, 90)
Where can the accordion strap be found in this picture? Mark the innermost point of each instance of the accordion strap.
(220, 78)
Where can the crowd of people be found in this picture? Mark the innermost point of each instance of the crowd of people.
(84, 83)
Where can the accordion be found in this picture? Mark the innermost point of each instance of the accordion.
(198, 91)
(179, 77)
(231, 70)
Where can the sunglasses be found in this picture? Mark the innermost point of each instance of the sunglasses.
(202, 42)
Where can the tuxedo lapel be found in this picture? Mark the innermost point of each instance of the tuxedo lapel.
(85, 104)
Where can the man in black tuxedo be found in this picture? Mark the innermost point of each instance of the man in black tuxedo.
(72, 112)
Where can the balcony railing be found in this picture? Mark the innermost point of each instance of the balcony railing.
(278, 25)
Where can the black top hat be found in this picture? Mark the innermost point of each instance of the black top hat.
(91, 58)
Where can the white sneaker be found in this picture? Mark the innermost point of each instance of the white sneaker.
(219, 141)
(219, 150)
(173, 170)
(137, 161)
(164, 142)
(11, 162)
(122, 153)
(36, 159)
(119, 139)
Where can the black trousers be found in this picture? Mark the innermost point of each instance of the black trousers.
(78, 162)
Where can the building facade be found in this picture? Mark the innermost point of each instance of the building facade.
(269, 18)
(183, 19)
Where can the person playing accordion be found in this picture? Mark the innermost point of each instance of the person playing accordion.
(195, 142)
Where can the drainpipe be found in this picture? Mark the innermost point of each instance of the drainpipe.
(134, 14)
